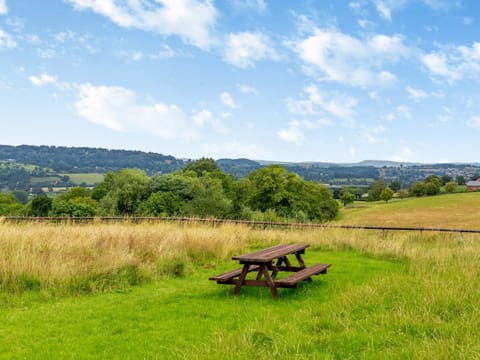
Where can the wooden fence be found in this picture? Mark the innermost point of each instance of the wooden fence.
(213, 221)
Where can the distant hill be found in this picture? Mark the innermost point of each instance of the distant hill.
(30, 167)
(88, 160)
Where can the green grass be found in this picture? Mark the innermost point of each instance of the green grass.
(191, 317)
(87, 178)
(448, 210)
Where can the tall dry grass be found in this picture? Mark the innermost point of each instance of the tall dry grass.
(97, 257)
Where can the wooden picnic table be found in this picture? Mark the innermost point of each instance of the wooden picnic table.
(267, 263)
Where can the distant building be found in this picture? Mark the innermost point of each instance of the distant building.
(473, 185)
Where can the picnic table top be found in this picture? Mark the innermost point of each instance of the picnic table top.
(269, 254)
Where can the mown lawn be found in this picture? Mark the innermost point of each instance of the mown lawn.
(191, 317)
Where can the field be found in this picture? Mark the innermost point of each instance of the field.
(141, 290)
(87, 178)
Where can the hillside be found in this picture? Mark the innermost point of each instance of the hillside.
(446, 211)
(26, 167)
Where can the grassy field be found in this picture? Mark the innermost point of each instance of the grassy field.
(443, 211)
(142, 291)
(87, 178)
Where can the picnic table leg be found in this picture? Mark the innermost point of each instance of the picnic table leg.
(302, 264)
(269, 281)
(279, 263)
(241, 279)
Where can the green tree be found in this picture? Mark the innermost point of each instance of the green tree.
(417, 189)
(347, 198)
(40, 205)
(461, 180)
(386, 194)
(123, 193)
(445, 179)
(9, 204)
(451, 187)
(395, 185)
(376, 189)
(432, 185)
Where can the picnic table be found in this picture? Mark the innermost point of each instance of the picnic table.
(266, 264)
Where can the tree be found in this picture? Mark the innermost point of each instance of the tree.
(9, 204)
(386, 194)
(417, 189)
(445, 179)
(203, 165)
(376, 189)
(461, 180)
(451, 187)
(395, 185)
(347, 198)
(432, 185)
(41, 205)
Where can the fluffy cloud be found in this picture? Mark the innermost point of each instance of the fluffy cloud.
(119, 109)
(43, 79)
(345, 59)
(3, 7)
(295, 132)
(246, 89)
(6, 41)
(227, 100)
(315, 102)
(416, 94)
(386, 7)
(246, 48)
(256, 5)
(454, 62)
(192, 20)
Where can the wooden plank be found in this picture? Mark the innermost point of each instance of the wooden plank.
(295, 278)
(269, 254)
(231, 274)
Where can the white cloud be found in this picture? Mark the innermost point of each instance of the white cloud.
(205, 117)
(416, 94)
(386, 7)
(295, 131)
(46, 53)
(474, 122)
(6, 41)
(246, 48)
(227, 100)
(43, 79)
(352, 152)
(371, 135)
(256, 5)
(454, 62)
(246, 89)
(389, 117)
(119, 109)
(3, 7)
(405, 154)
(314, 102)
(293, 134)
(345, 59)
(192, 20)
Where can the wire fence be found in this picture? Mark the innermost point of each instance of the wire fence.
(214, 221)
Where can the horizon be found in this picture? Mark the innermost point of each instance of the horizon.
(332, 82)
(260, 160)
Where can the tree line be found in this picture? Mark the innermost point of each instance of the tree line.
(201, 189)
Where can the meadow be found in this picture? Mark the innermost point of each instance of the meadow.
(142, 290)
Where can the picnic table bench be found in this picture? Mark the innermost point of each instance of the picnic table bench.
(267, 263)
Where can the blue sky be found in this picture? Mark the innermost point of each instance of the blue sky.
(329, 80)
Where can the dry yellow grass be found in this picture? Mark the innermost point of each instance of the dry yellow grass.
(53, 254)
